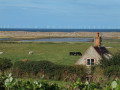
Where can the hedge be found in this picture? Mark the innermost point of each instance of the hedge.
(49, 70)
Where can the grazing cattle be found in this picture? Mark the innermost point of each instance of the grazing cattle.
(1, 52)
(72, 53)
(31, 52)
(75, 54)
(78, 54)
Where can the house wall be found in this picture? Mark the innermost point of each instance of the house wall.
(90, 53)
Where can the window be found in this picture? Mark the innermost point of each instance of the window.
(90, 61)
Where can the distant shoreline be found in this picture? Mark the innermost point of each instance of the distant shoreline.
(33, 35)
(58, 30)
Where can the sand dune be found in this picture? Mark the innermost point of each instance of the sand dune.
(23, 34)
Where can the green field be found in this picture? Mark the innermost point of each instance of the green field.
(55, 52)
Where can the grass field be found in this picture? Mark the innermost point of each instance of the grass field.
(57, 53)
(111, 40)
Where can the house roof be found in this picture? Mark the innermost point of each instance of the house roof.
(102, 51)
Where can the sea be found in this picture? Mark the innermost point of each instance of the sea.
(59, 30)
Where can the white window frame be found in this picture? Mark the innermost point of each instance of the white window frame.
(90, 61)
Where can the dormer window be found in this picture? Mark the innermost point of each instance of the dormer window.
(90, 62)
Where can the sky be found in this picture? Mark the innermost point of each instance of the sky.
(60, 13)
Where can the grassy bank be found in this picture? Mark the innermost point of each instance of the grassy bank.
(57, 53)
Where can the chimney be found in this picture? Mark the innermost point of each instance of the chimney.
(97, 40)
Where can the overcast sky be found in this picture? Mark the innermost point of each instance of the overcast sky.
(60, 13)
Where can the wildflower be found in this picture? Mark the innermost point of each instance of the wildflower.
(114, 84)
(10, 74)
(36, 82)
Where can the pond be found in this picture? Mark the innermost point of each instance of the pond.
(61, 40)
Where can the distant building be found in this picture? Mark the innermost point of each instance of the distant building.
(94, 53)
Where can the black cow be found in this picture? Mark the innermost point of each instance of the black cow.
(75, 54)
(72, 53)
(78, 54)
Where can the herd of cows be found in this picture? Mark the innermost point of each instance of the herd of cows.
(75, 54)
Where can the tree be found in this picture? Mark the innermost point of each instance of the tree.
(5, 64)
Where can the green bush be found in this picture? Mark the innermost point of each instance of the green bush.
(49, 70)
(5, 64)
(111, 67)
(10, 83)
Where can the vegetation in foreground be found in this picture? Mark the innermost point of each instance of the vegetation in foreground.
(10, 83)
(50, 71)
(109, 68)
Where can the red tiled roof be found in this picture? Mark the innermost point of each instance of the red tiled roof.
(101, 50)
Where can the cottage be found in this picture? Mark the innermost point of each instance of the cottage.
(94, 53)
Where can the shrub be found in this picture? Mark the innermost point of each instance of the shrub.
(49, 70)
(111, 67)
(10, 83)
(5, 64)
